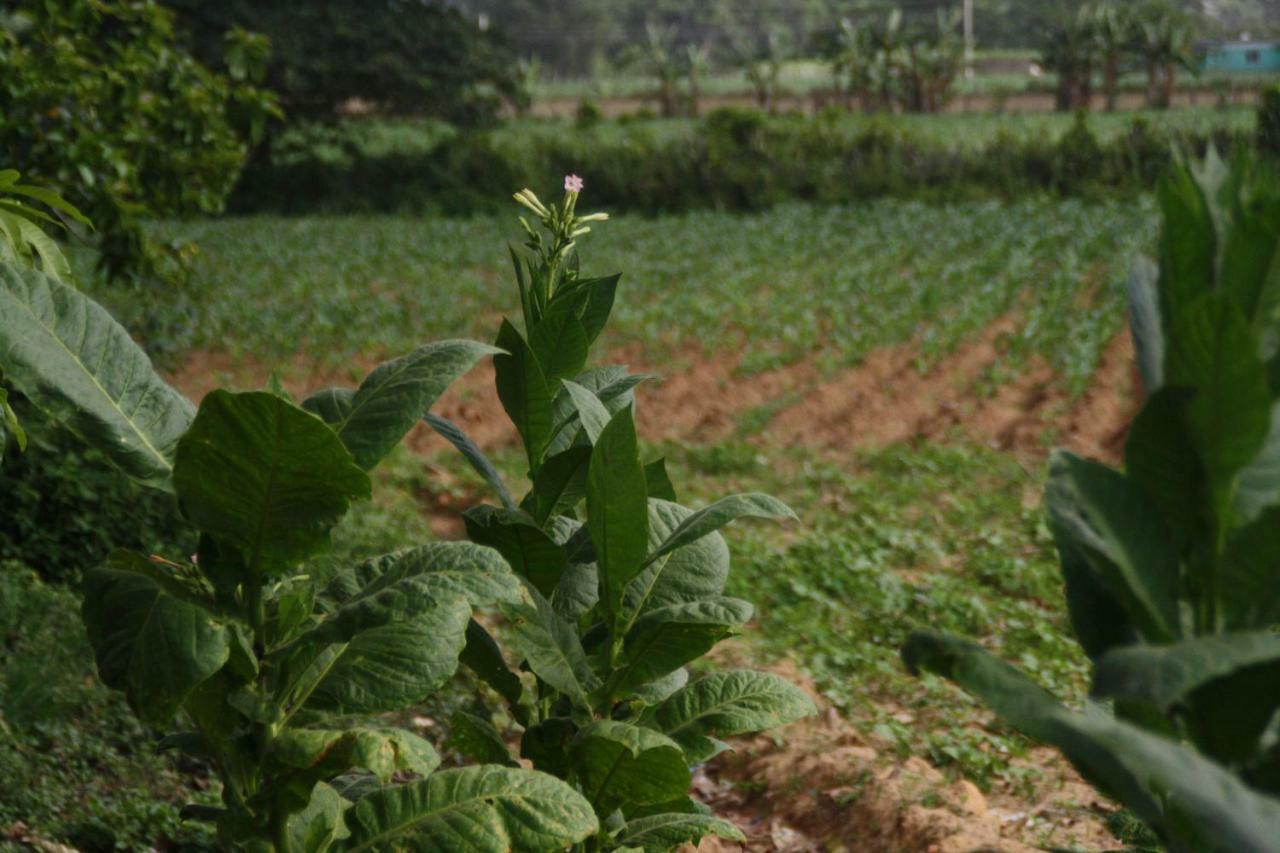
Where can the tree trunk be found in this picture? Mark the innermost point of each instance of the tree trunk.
(1111, 80)
(1170, 83)
(1153, 87)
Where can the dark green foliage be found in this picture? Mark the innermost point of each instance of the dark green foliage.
(65, 505)
(1269, 121)
(397, 56)
(626, 585)
(101, 102)
(1170, 565)
(75, 765)
(735, 159)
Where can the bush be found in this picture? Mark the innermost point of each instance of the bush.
(100, 102)
(71, 769)
(734, 159)
(66, 506)
(1269, 121)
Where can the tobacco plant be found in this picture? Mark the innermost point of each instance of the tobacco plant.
(1172, 564)
(267, 666)
(625, 584)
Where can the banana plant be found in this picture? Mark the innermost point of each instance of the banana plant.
(260, 661)
(626, 585)
(1172, 565)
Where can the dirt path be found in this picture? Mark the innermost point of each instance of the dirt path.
(1018, 102)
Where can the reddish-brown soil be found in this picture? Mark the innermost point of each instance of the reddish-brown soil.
(821, 785)
(883, 400)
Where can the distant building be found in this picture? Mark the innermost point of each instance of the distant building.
(1242, 56)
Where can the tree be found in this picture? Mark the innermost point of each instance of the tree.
(101, 103)
(1069, 48)
(398, 56)
(1115, 33)
(1165, 44)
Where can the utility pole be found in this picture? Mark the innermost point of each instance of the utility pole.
(968, 38)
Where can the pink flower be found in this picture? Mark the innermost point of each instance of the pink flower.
(572, 184)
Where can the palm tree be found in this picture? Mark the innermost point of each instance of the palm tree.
(852, 55)
(934, 57)
(1069, 49)
(1166, 40)
(1115, 33)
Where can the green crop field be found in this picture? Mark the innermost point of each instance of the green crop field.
(793, 281)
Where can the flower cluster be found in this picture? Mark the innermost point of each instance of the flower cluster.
(562, 223)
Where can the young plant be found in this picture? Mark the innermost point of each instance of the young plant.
(1172, 565)
(273, 667)
(626, 585)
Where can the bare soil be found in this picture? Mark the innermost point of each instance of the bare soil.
(883, 400)
(822, 785)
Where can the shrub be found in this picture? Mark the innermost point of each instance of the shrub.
(626, 584)
(1269, 121)
(1170, 563)
(100, 101)
(735, 159)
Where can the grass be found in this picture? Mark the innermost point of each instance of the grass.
(949, 538)
(778, 285)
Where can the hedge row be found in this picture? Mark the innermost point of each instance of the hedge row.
(735, 159)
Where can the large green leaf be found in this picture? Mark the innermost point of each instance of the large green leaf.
(472, 810)
(483, 656)
(1258, 486)
(1193, 803)
(559, 485)
(319, 825)
(154, 646)
(560, 344)
(617, 509)
(1188, 243)
(265, 477)
(662, 832)
(710, 519)
(527, 547)
(524, 391)
(445, 570)
(477, 739)
(1250, 574)
(689, 573)
(592, 299)
(611, 384)
(730, 703)
(393, 666)
(329, 752)
(619, 763)
(1213, 352)
(592, 413)
(552, 649)
(1160, 456)
(1162, 676)
(66, 353)
(1113, 526)
(394, 397)
(666, 638)
(1146, 324)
